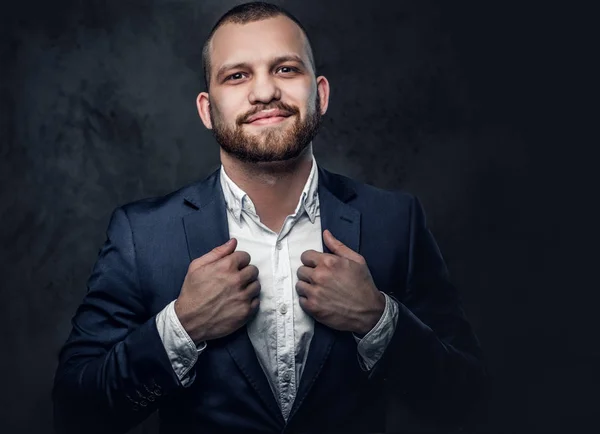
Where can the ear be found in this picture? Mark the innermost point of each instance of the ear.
(323, 89)
(203, 103)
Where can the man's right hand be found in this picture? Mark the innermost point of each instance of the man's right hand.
(220, 293)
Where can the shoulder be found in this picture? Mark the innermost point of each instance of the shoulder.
(174, 204)
(370, 196)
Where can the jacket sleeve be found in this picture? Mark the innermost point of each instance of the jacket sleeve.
(113, 370)
(434, 359)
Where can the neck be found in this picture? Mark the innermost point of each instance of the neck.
(274, 187)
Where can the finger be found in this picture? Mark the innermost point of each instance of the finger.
(254, 304)
(339, 248)
(311, 258)
(215, 254)
(305, 273)
(303, 289)
(252, 289)
(306, 305)
(241, 259)
(248, 274)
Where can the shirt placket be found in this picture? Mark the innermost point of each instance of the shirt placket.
(285, 321)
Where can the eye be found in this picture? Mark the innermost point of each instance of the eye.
(289, 68)
(234, 76)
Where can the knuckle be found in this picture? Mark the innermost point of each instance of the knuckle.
(237, 280)
(330, 262)
(318, 276)
(316, 292)
(235, 257)
(217, 251)
(195, 264)
(229, 262)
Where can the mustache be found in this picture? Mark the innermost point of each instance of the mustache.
(288, 109)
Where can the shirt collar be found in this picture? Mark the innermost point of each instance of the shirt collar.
(237, 200)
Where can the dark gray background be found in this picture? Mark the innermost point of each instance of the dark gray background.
(478, 108)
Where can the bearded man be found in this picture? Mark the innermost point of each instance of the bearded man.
(273, 296)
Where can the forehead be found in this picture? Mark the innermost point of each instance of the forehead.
(257, 41)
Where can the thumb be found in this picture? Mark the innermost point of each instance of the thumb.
(339, 248)
(215, 254)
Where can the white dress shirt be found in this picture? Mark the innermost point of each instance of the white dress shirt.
(280, 331)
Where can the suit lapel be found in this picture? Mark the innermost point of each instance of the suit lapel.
(343, 221)
(207, 228)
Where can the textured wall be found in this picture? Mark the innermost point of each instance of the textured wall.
(443, 100)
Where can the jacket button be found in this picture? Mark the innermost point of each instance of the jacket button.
(143, 403)
(157, 389)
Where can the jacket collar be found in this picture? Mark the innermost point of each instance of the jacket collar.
(203, 192)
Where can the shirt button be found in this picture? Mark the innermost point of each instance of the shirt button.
(279, 246)
(287, 376)
(283, 309)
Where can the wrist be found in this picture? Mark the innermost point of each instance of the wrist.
(184, 320)
(373, 316)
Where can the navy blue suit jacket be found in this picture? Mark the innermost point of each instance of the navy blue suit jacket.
(114, 372)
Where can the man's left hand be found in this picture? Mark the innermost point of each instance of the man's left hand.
(337, 289)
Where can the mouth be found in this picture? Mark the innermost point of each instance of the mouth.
(269, 120)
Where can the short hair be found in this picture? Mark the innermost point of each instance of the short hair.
(247, 13)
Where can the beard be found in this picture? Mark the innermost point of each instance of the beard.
(269, 143)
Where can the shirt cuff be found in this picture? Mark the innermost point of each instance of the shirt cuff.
(180, 348)
(372, 345)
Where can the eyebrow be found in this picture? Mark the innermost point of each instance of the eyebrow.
(275, 61)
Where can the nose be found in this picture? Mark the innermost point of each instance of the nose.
(264, 89)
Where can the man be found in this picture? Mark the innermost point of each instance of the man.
(273, 296)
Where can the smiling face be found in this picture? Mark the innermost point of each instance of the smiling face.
(265, 103)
